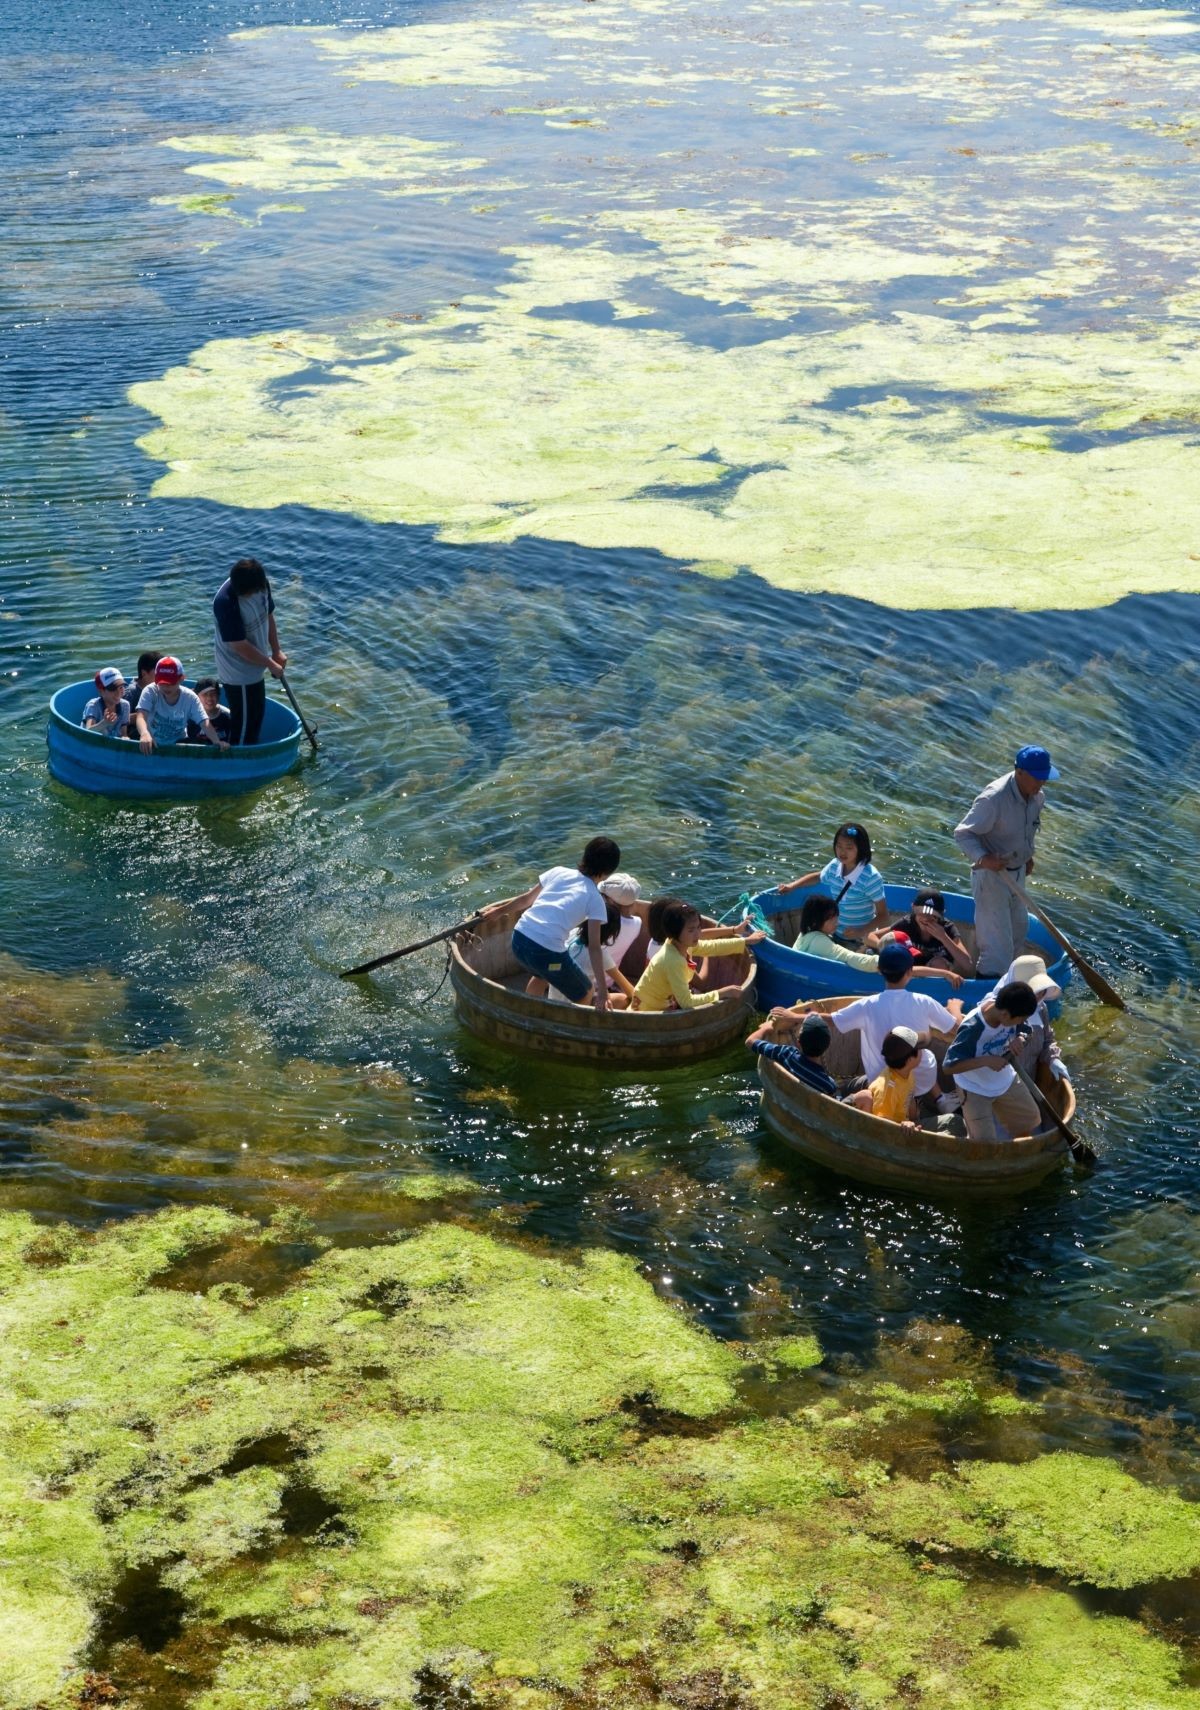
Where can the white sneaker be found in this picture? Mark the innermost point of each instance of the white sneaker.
(949, 1101)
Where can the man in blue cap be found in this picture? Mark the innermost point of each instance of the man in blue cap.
(997, 835)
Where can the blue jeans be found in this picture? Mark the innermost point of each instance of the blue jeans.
(555, 966)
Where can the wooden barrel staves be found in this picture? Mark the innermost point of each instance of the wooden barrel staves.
(886, 1155)
(490, 998)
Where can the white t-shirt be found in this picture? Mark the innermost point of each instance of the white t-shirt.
(169, 723)
(875, 1016)
(626, 933)
(582, 959)
(567, 899)
(976, 1039)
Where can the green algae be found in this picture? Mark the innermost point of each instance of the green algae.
(305, 159)
(446, 1456)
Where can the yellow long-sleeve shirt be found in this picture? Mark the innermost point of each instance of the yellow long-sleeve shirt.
(668, 975)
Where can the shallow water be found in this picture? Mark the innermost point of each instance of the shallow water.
(173, 1025)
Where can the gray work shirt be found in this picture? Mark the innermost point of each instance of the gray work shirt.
(1001, 821)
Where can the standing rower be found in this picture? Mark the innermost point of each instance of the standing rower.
(997, 836)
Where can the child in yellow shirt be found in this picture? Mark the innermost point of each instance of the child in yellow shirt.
(668, 977)
(892, 1091)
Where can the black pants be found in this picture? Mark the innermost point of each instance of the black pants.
(247, 702)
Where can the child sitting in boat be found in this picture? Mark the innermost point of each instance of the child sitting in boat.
(142, 678)
(623, 890)
(818, 923)
(893, 1094)
(667, 980)
(854, 884)
(108, 711)
(563, 899)
(900, 937)
(798, 1044)
(620, 990)
(935, 941)
(209, 695)
(166, 708)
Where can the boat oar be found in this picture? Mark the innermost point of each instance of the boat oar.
(309, 730)
(1080, 1150)
(421, 944)
(1106, 993)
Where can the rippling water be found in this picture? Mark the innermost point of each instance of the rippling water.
(173, 1027)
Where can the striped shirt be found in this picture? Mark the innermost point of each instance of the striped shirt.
(791, 1058)
(857, 907)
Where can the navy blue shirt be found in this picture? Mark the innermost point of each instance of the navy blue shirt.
(791, 1058)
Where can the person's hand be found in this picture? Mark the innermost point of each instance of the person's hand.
(1059, 1069)
(954, 1005)
(791, 885)
(1029, 866)
(110, 715)
(280, 659)
(275, 668)
(635, 1001)
(755, 937)
(222, 745)
(729, 994)
(600, 1000)
(990, 864)
(954, 979)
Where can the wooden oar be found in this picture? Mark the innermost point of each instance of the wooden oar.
(1080, 1150)
(421, 944)
(309, 730)
(1092, 976)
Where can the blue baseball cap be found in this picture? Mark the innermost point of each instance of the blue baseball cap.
(1036, 761)
(894, 959)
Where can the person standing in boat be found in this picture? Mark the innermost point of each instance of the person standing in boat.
(563, 899)
(246, 645)
(997, 836)
(853, 884)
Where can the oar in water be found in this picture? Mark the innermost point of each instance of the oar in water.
(1106, 993)
(1080, 1150)
(421, 944)
(309, 730)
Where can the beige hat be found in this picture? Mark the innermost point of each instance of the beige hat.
(621, 888)
(1031, 971)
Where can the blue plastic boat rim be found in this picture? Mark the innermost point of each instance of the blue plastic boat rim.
(189, 752)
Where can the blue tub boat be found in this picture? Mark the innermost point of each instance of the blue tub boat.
(86, 760)
(787, 976)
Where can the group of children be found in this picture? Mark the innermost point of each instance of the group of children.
(576, 925)
(155, 709)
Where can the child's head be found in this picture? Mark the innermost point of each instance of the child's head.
(819, 914)
(814, 1037)
(146, 663)
(209, 693)
(852, 843)
(621, 888)
(168, 676)
(655, 914)
(609, 928)
(247, 577)
(681, 923)
(110, 683)
(931, 901)
(895, 964)
(1014, 1002)
(900, 1048)
(600, 859)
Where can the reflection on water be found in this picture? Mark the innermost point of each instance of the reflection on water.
(172, 1029)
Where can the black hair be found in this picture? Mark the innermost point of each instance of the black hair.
(600, 859)
(858, 835)
(1016, 999)
(654, 917)
(148, 660)
(676, 916)
(896, 1051)
(608, 931)
(816, 910)
(247, 577)
(815, 1042)
(934, 898)
(203, 683)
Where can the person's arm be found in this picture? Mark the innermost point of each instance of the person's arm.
(255, 656)
(956, 952)
(798, 884)
(621, 983)
(928, 973)
(519, 904)
(209, 731)
(277, 653)
(144, 737)
(882, 915)
(679, 979)
(969, 834)
(853, 958)
(596, 958)
(734, 945)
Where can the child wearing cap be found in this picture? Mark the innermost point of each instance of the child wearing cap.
(208, 693)
(623, 890)
(166, 708)
(798, 1044)
(108, 712)
(853, 883)
(893, 1091)
(620, 989)
(1037, 1045)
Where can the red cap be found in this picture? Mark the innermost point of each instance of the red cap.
(903, 939)
(169, 670)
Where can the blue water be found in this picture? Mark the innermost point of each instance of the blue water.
(483, 710)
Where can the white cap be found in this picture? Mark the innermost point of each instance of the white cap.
(620, 888)
(908, 1035)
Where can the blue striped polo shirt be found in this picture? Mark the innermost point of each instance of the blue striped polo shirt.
(857, 907)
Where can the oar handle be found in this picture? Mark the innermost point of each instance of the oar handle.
(308, 729)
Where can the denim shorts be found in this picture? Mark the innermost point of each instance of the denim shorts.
(552, 965)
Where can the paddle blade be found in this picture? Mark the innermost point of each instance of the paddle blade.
(1095, 979)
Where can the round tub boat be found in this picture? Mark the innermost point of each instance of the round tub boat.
(103, 766)
(884, 1154)
(787, 976)
(490, 997)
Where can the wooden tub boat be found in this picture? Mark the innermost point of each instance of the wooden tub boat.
(490, 998)
(867, 1148)
(787, 976)
(99, 765)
